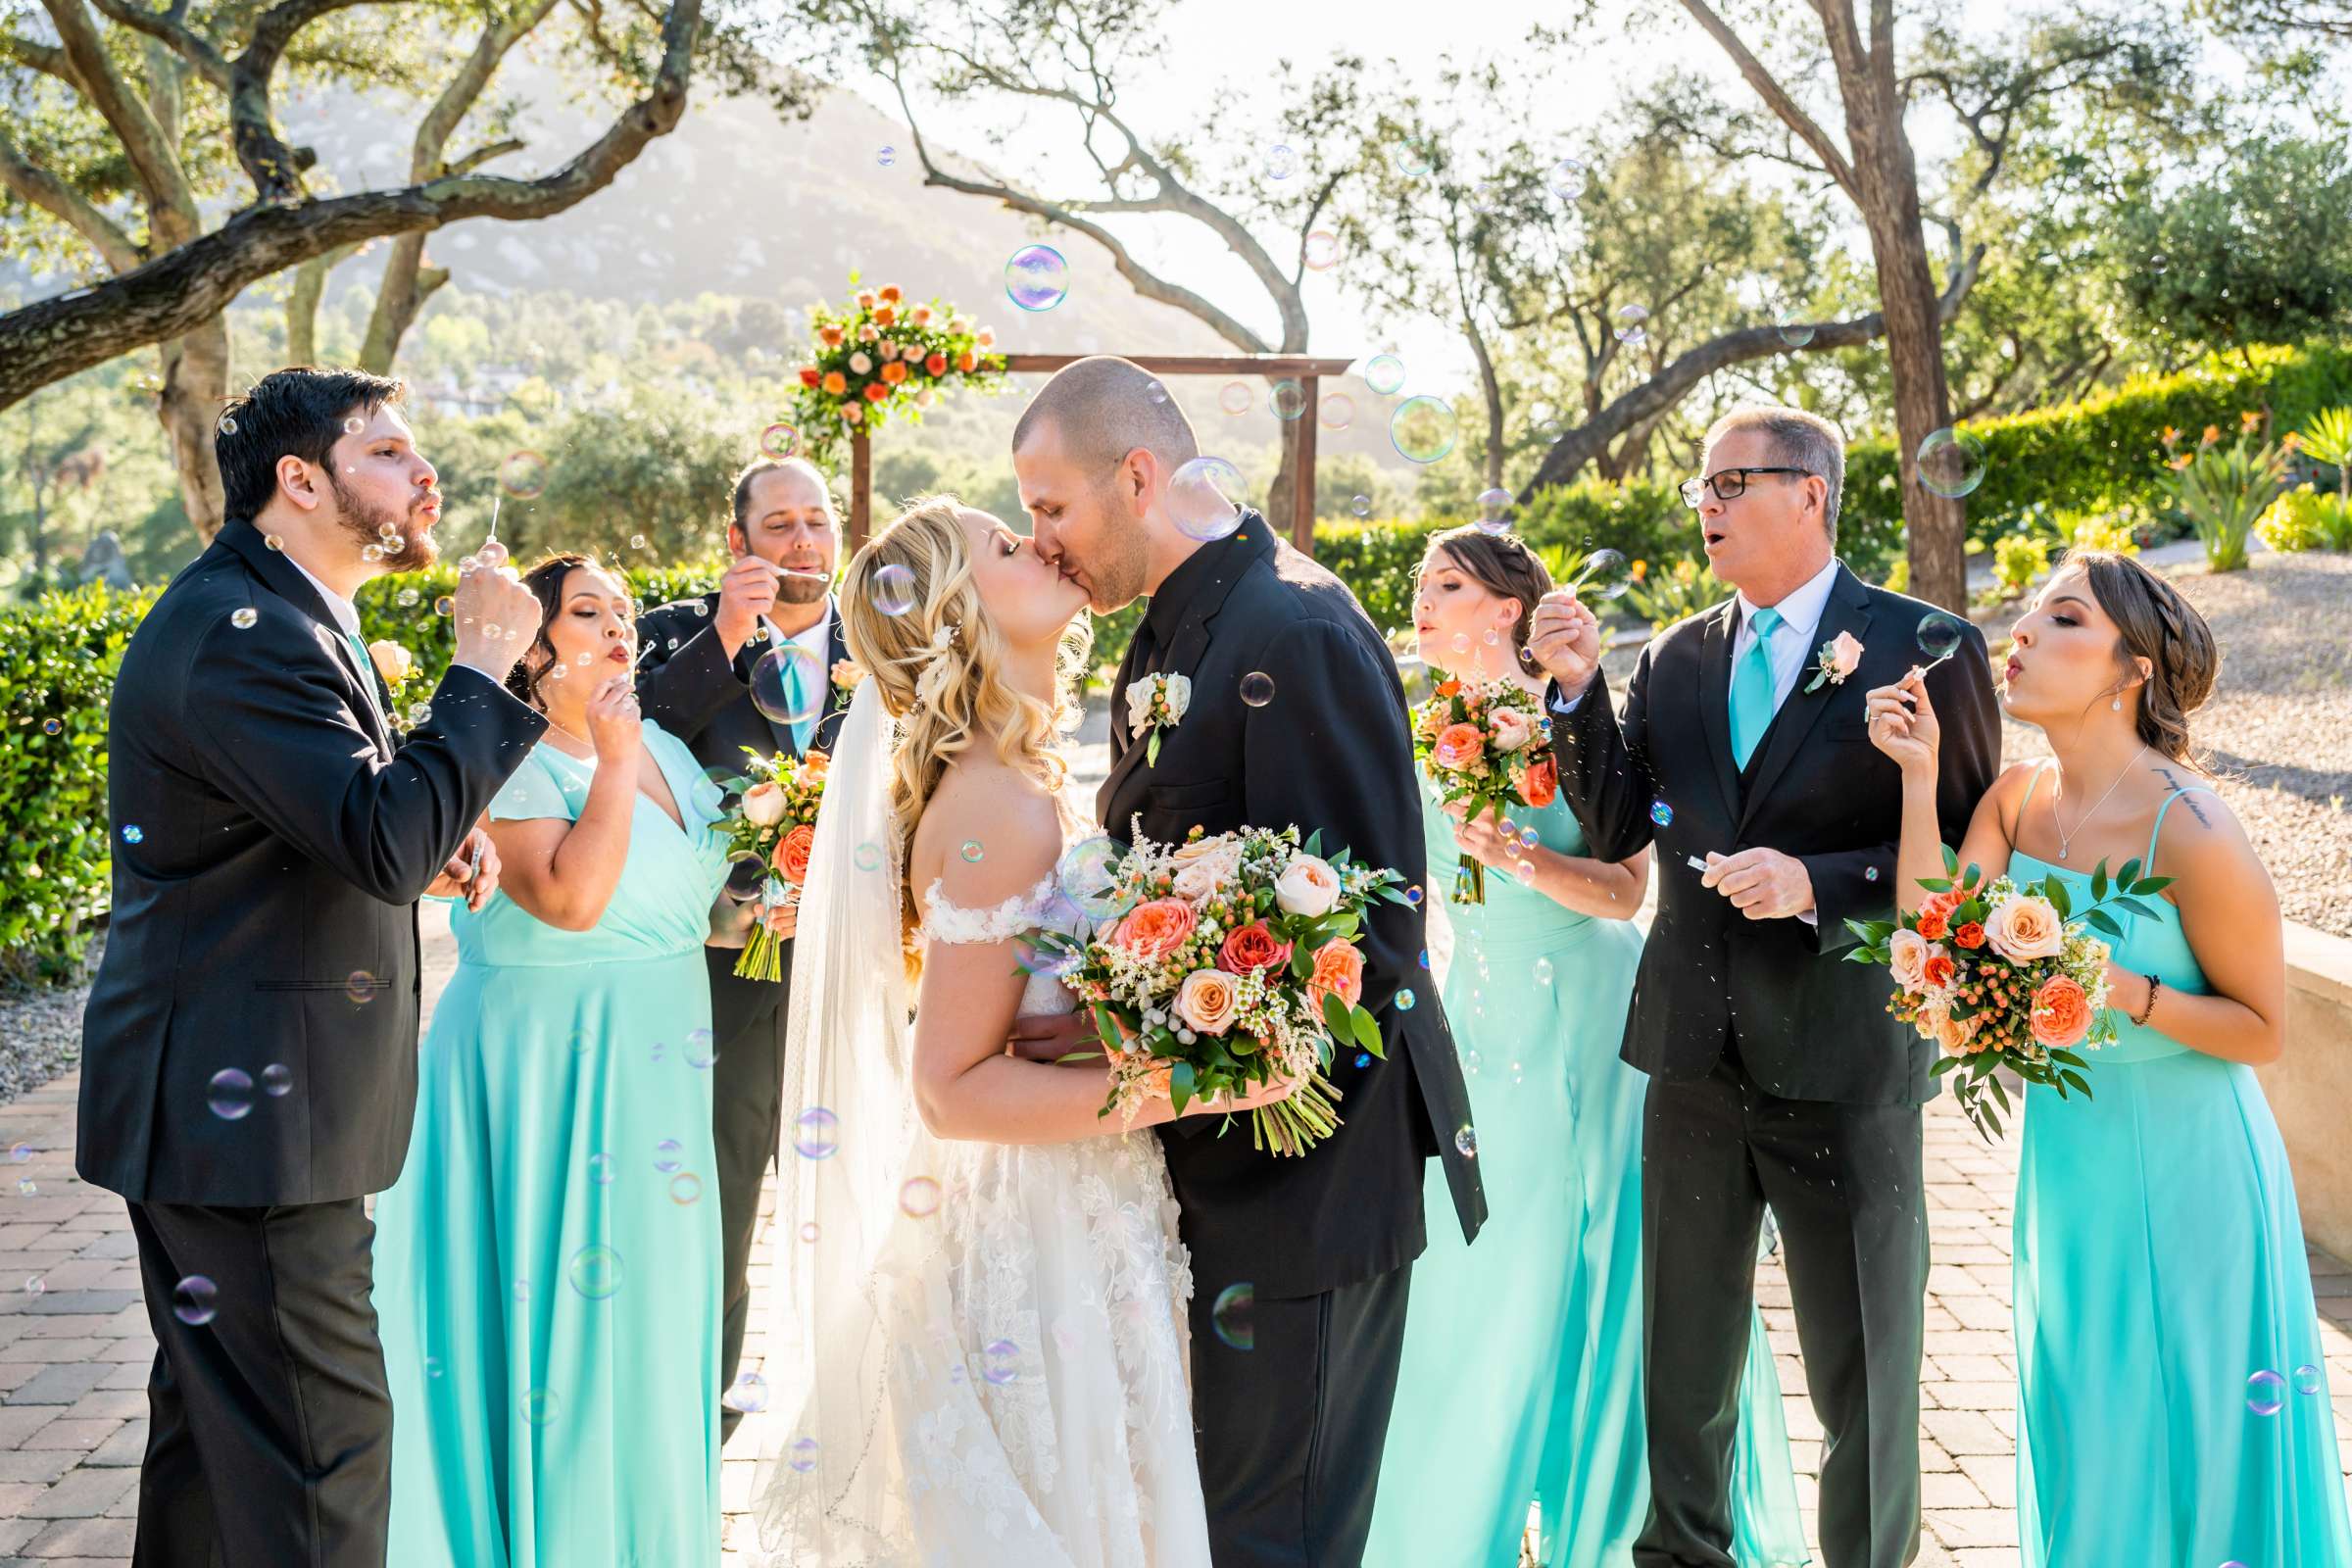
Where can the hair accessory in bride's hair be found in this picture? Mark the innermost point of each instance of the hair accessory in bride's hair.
(932, 678)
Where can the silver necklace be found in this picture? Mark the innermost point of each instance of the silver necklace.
(2064, 837)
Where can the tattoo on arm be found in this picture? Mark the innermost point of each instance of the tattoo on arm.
(2186, 799)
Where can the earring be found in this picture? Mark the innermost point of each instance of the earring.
(2117, 706)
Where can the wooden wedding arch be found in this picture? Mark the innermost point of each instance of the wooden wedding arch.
(1307, 372)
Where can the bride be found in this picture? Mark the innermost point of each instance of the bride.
(978, 1346)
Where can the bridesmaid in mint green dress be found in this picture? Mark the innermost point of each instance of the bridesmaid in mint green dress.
(548, 1264)
(2172, 1405)
(1521, 1380)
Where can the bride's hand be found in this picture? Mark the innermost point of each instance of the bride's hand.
(1049, 1037)
(1273, 1092)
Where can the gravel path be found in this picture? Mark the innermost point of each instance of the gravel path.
(40, 1031)
(2280, 722)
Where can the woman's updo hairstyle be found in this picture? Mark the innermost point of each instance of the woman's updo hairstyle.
(2155, 623)
(1503, 565)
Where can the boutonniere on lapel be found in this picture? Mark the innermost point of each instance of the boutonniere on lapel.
(848, 676)
(392, 662)
(1834, 661)
(1156, 704)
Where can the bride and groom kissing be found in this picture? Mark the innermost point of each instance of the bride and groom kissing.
(997, 1371)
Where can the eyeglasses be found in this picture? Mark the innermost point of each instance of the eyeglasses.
(1728, 484)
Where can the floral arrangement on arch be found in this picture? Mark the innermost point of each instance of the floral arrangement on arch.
(883, 354)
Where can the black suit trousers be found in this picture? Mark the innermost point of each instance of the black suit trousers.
(1290, 1427)
(747, 1118)
(269, 1424)
(1845, 1185)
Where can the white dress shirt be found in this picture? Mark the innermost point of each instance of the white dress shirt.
(346, 613)
(1793, 644)
(816, 642)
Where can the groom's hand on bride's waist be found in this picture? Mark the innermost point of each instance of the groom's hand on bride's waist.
(1050, 1036)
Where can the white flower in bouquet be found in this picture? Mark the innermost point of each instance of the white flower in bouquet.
(1512, 729)
(860, 363)
(2025, 928)
(764, 804)
(1308, 886)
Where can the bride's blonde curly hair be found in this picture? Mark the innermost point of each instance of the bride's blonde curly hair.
(939, 667)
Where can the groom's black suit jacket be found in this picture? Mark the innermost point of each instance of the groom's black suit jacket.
(264, 909)
(1329, 750)
(1806, 1025)
(687, 684)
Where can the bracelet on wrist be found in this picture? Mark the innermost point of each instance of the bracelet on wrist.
(2147, 1009)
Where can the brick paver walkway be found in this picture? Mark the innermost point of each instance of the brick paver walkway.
(74, 1349)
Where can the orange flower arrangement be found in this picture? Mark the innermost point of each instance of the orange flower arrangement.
(880, 358)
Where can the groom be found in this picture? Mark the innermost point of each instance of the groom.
(248, 1050)
(694, 668)
(1776, 1076)
(1291, 1395)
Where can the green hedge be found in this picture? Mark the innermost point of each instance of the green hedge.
(58, 658)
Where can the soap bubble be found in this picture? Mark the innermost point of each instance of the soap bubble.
(1465, 1142)
(20, 1155)
(539, 1406)
(1940, 634)
(242, 617)
(1322, 249)
(601, 1169)
(1661, 813)
(1088, 877)
(918, 1196)
(1287, 400)
(668, 1155)
(2159, 261)
(1257, 688)
(2266, 1393)
(1493, 510)
(1633, 326)
(1415, 157)
(445, 607)
(1281, 162)
(1951, 463)
(228, 424)
(973, 851)
(748, 1394)
(867, 857)
(595, 1273)
(1234, 397)
(1603, 574)
(277, 1080)
(885, 155)
(524, 476)
(1794, 329)
(1336, 411)
(1542, 971)
(50, 726)
(1200, 496)
(893, 589)
(1000, 1361)
(1404, 1001)
(1422, 429)
(1567, 180)
(2309, 1380)
(192, 1301)
(811, 1232)
(1234, 1315)
(1383, 373)
(815, 1132)
(788, 685)
(230, 1093)
(1361, 506)
(802, 1455)
(685, 1188)
(779, 440)
(699, 1048)
(1037, 278)
(132, 833)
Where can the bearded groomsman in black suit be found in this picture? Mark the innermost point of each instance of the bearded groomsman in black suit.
(1777, 1076)
(695, 665)
(273, 831)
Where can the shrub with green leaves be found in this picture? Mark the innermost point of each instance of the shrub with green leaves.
(2304, 518)
(2017, 561)
(1675, 592)
(2223, 490)
(57, 657)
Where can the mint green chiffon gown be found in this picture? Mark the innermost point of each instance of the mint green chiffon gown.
(548, 1264)
(2173, 1407)
(1522, 1372)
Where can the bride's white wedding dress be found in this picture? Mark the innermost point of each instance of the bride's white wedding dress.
(990, 1370)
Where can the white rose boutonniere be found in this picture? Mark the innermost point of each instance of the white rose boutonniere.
(392, 662)
(1156, 704)
(847, 676)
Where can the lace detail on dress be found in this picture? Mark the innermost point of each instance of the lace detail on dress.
(959, 926)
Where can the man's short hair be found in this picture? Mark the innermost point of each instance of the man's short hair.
(752, 470)
(1799, 440)
(297, 411)
(1105, 408)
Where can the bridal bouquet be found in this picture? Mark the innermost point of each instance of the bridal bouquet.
(771, 825)
(1485, 741)
(1221, 963)
(2005, 974)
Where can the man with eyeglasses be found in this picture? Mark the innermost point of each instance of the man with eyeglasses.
(1777, 1076)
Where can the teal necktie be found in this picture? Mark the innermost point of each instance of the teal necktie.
(798, 701)
(1752, 688)
(367, 662)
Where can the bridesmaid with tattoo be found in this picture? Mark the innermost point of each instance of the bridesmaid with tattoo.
(2172, 1399)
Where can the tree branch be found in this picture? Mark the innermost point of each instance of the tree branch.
(170, 204)
(1776, 97)
(268, 163)
(61, 201)
(46, 59)
(54, 338)
(481, 155)
(1673, 381)
(164, 28)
